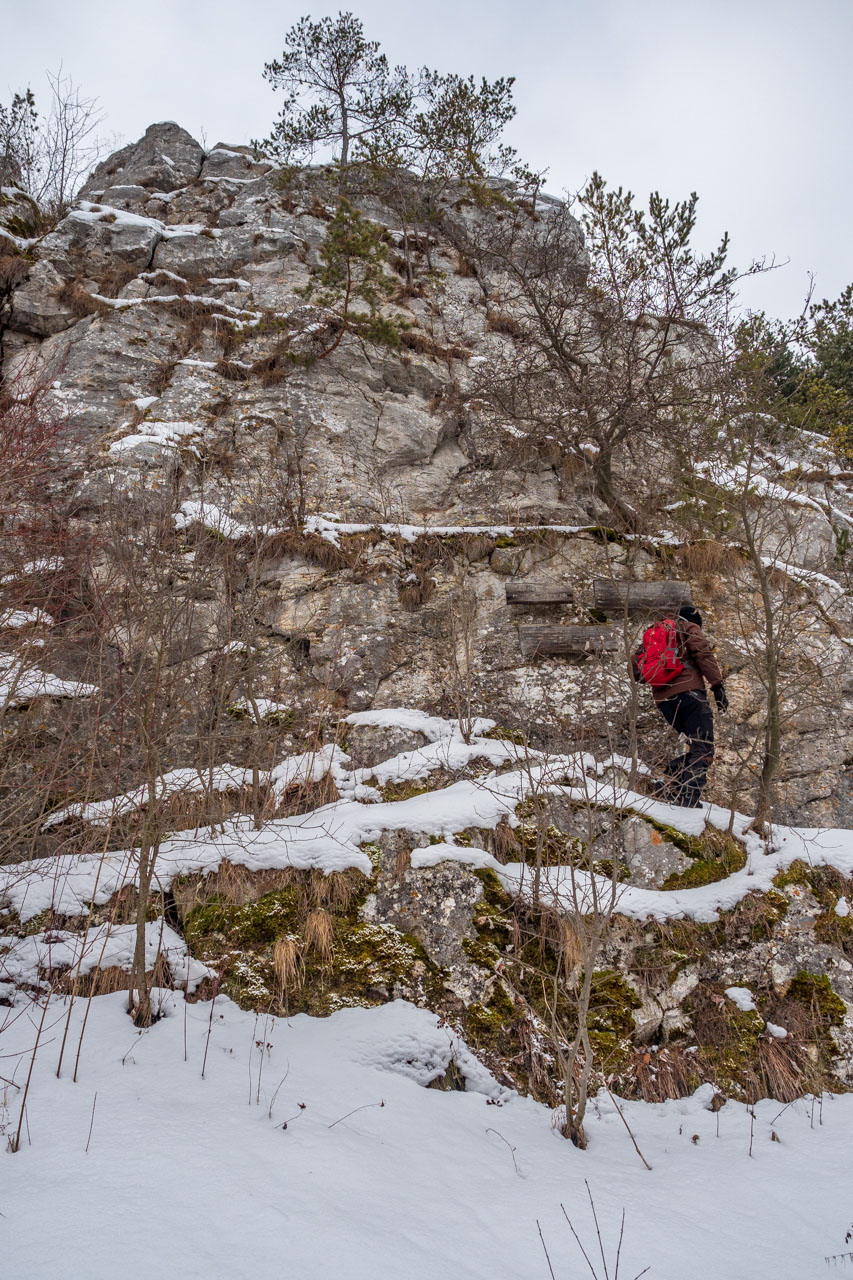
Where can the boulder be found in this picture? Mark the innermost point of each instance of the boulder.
(370, 744)
(19, 213)
(165, 158)
(648, 855)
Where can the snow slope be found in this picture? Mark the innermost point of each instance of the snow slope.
(331, 837)
(258, 1172)
(218, 1144)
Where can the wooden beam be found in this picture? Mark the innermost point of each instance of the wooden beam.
(538, 593)
(639, 597)
(536, 641)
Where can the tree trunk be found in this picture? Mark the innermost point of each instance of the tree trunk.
(773, 716)
(772, 740)
(624, 519)
(149, 844)
(577, 1091)
(141, 1010)
(344, 143)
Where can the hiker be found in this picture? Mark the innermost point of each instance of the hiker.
(675, 659)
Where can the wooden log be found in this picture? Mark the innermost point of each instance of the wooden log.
(538, 593)
(639, 597)
(536, 641)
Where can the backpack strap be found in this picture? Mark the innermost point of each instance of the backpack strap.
(683, 652)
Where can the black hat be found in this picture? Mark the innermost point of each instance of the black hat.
(690, 614)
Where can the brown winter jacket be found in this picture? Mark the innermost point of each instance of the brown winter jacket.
(695, 652)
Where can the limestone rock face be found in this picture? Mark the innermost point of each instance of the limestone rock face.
(19, 213)
(648, 856)
(166, 158)
(178, 291)
(339, 520)
(437, 906)
(36, 309)
(369, 744)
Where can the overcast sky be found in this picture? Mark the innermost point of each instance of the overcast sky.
(745, 101)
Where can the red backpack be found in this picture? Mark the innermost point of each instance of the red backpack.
(658, 659)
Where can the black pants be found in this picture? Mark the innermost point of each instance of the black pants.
(690, 714)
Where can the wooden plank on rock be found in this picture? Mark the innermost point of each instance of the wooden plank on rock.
(639, 597)
(537, 641)
(539, 593)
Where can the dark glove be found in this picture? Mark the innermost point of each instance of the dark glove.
(719, 692)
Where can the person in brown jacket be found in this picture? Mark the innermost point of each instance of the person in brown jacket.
(683, 703)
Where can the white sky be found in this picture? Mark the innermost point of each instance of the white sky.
(745, 101)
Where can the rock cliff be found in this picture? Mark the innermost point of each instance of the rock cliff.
(171, 319)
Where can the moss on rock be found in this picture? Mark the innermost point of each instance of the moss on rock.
(334, 958)
(715, 856)
(487, 1023)
(814, 990)
(247, 927)
(835, 931)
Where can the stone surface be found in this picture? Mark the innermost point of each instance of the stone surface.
(649, 857)
(165, 158)
(207, 284)
(437, 906)
(369, 744)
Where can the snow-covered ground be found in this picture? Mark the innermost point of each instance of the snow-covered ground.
(330, 838)
(219, 1144)
(312, 1149)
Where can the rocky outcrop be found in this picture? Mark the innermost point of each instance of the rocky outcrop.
(168, 313)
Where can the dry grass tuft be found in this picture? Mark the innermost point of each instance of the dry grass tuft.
(559, 933)
(288, 964)
(13, 271)
(425, 345)
(162, 376)
(310, 546)
(232, 370)
(80, 302)
(340, 890)
(503, 322)
(708, 557)
(476, 546)
(102, 982)
(122, 907)
(319, 210)
(232, 884)
(505, 845)
(402, 863)
(786, 1070)
(657, 1077)
(113, 279)
(236, 886)
(569, 945)
(302, 797)
(417, 592)
(319, 934)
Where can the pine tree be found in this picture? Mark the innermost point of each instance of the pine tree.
(339, 91)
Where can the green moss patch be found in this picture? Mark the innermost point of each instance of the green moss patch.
(835, 931)
(814, 991)
(218, 924)
(488, 1024)
(284, 954)
(798, 873)
(715, 856)
(392, 791)
(827, 884)
(612, 1002)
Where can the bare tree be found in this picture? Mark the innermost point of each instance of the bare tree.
(609, 323)
(50, 154)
